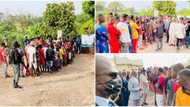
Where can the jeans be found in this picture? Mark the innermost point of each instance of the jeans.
(4, 69)
(140, 41)
(16, 73)
(187, 41)
(124, 48)
(159, 100)
(159, 43)
(136, 102)
(179, 43)
(49, 64)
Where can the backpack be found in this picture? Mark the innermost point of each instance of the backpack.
(16, 57)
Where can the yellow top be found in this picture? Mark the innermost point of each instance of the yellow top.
(182, 99)
(61, 53)
(134, 28)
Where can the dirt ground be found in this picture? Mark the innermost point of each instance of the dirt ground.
(151, 48)
(72, 85)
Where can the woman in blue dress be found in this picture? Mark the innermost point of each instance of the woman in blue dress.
(101, 36)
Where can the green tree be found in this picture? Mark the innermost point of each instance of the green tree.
(115, 7)
(85, 19)
(165, 7)
(88, 7)
(184, 12)
(100, 7)
(59, 16)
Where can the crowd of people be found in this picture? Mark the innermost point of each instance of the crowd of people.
(170, 85)
(36, 56)
(126, 34)
(163, 86)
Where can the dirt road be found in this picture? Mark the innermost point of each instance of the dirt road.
(72, 85)
(151, 48)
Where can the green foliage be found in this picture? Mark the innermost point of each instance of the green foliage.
(86, 19)
(184, 12)
(165, 7)
(146, 12)
(115, 7)
(59, 16)
(88, 7)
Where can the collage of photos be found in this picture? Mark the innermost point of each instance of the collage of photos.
(95, 53)
(46, 53)
(142, 53)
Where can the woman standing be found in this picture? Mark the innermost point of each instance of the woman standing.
(114, 35)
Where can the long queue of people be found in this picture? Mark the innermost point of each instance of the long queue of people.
(37, 56)
(125, 34)
(166, 86)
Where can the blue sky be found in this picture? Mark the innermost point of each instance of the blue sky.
(35, 7)
(140, 4)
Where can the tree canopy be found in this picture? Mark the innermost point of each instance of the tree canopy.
(165, 7)
(57, 16)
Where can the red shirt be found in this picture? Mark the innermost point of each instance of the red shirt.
(114, 35)
(41, 56)
(140, 30)
(2, 55)
(161, 84)
(175, 86)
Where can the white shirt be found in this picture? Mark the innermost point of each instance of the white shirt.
(31, 53)
(125, 36)
(180, 30)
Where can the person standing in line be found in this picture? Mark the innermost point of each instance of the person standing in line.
(175, 69)
(172, 32)
(17, 61)
(180, 33)
(160, 88)
(114, 35)
(140, 32)
(49, 58)
(101, 36)
(124, 90)
(3, 60)
(134, 88)
(125, 36)
(144, 86)
(187, 37)
(183, 93)
(159, 35)
(134, 28)
(41, 58)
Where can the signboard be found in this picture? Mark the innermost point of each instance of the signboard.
(156, 13)
(87, 40)
(59, 34)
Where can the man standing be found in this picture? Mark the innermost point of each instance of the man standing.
(159, 35)
(17, 60)
(134, 88)
(3, 60)
(125, 36)
(180, 33)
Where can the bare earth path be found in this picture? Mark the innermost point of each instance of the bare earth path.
(72, 85)
(166, 49)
